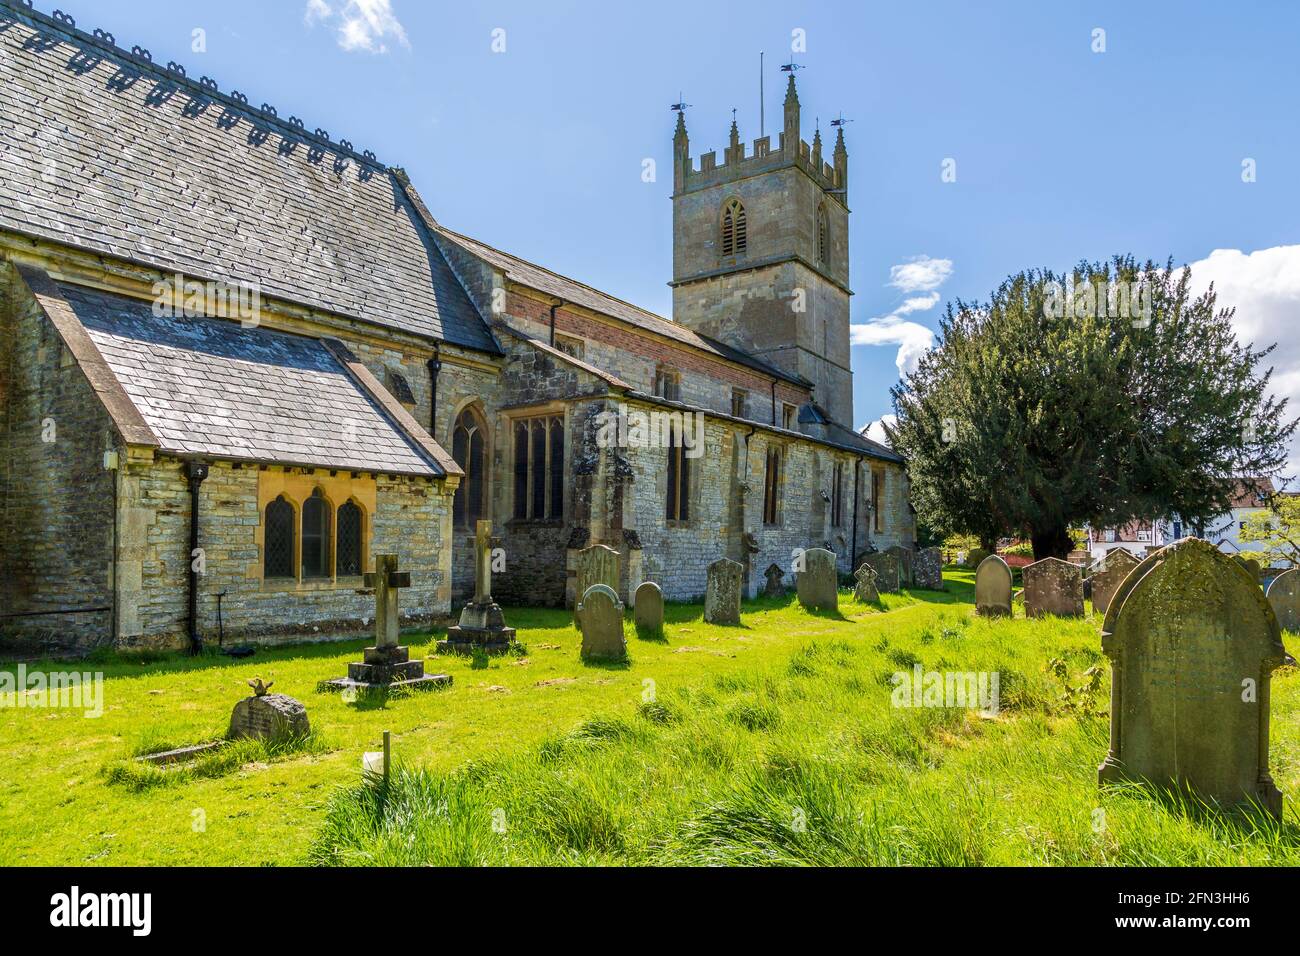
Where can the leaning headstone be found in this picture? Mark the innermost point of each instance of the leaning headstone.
(993, 587)
(927, 569)
(864, 591)
(600, 618)
(648, 612)
(906, 557)
(886, 567)
(775, 586)
(818, 583)
(1108, 575)
(1284, 596)
(1192, 643)
(722, 594)
(270, 717)
(595, 565)
(1053, 586)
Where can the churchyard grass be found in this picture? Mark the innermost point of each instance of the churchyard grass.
(773, 742)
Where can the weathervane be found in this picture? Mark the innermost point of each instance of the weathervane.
(681, 105)
(840, 120)
(791, 67)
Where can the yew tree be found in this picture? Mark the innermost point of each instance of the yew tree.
(1096, 396)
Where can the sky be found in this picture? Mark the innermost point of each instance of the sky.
(985, 138)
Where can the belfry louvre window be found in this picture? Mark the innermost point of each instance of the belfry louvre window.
(278, 545)
(539, 468)
(679, 479)
(316, 536)
(467, 447)
(348, 558)
(772, 487)
(734, 239)
(837, 496)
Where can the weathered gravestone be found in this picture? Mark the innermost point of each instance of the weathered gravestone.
(722, 593)
(270, 717)
(818, 583)
(1109, 575)
(648, 612)
(775, 586)
(387, 664)
(1284, 596)
(886, 567)
(993, 587)
(1053, 586)
(595, 565)
(1080, 556)
(906, 557)
(600, 618)
(1192, 643)
(482, 622)
(864, 591)
(927, 569)
(1251, 565)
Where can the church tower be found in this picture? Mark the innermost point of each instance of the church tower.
(761, 253)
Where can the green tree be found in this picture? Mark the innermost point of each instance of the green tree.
(1276, 530)
(1058, 403)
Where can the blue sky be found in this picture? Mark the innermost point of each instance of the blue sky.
(1061, 152)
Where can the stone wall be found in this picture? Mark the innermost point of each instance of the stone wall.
(410, 517)
(56, 498)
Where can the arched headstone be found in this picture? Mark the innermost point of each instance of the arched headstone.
(648, 612)
(817, 583)
(1192, 643)
(1284, 596)
(993, 587)
(1053, 586)
(1109, 575)
(600, 618)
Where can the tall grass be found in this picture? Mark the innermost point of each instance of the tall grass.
(807, 763)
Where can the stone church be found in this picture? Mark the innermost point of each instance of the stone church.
(239, 357)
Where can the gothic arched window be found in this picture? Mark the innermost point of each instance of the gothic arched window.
(823, 236)
(277, 550)
(316, 536)
(469, 449)
(734, 239)
(347, 558)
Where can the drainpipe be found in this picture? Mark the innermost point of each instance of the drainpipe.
(554, 305)
(435, 366)
(857, 473)
(195, 472)
(775, 423)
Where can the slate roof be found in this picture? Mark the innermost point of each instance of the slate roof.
(571, 290)
(105, 150)
(213, 388)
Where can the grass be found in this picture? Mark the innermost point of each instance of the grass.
(769, 743)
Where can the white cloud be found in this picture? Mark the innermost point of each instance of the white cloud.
(1264, 287)
(876, 430)
(921, 274)
(361, 24)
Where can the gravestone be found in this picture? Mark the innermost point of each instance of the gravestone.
(387, 664)
(1080, 557)
(1284, 596)
(595, 565)
(271, 717)
(722, 594)
(1053, 586)
(886, 567)
(993, 587)
(927, 569)
(600, 618)
(1108, 575)
(1192, 643)
(482, 623)
(648, 611)
(775, 586)
(818, 583)
(1253, 566)
(906, 568)
(865, 589)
